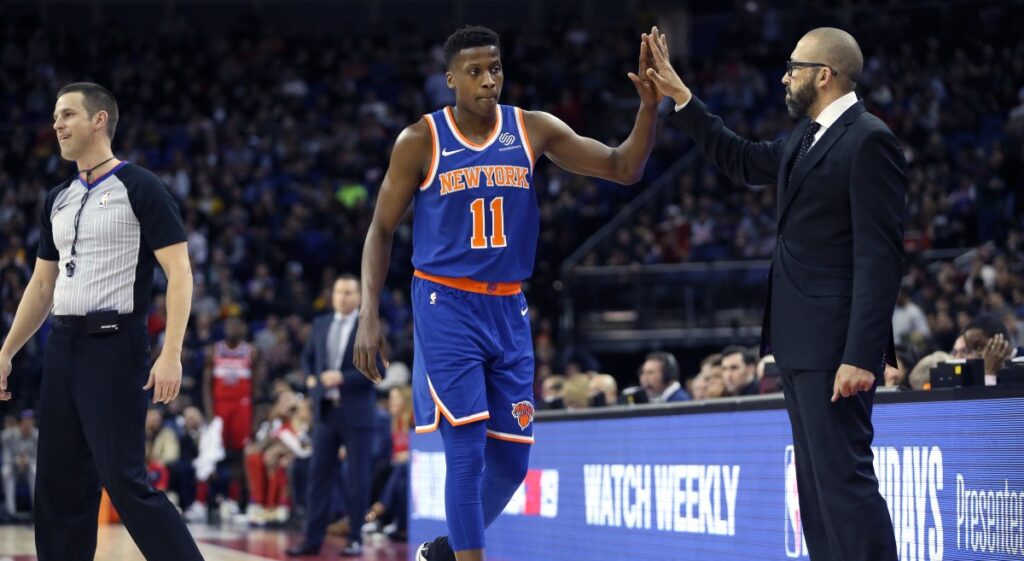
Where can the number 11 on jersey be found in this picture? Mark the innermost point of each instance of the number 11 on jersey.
(478, 210)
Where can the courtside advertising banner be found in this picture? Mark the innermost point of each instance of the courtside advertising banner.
(722, 486)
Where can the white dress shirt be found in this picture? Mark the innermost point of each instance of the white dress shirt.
(347, 324)
(671, 389)
(831, 114)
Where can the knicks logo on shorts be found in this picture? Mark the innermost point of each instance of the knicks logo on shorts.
(523, 412)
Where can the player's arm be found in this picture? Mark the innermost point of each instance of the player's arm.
(410, 157)
(585, 156)
(32, 311)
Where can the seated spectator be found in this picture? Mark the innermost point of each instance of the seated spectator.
(20, 444)
(603, 390)
(908, 320)
(162, 449)
(576, 392)
(294, 448)
(739, 372)
(712, 364)
(699, 387)
(265, 461)
(986, 337)
(714, 384)
(551, 392)
(959, 349)
(394, 499)
(659, 376)
(920, 377)
(1013, 330)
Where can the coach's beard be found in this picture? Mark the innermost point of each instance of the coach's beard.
(800, 101)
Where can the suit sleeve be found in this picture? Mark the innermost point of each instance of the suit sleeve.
(309, 354)
(354, 379)
(878, 185)
(744, 161)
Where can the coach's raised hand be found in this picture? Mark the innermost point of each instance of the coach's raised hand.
(661, 72)
(644, 85)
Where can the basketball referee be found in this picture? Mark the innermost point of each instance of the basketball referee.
(102, 232)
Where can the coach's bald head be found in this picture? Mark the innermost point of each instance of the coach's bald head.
(824, 66)
(839, 50)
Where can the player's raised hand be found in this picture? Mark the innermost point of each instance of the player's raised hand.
(661, 73)
(369, 342)
(644, 86)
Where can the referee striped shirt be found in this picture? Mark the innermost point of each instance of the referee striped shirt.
(126, 214)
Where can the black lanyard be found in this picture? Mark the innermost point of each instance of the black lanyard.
(69, 268)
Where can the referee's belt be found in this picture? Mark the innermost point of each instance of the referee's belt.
(78, 322)
(470, 285)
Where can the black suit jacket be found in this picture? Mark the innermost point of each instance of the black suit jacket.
(358, 395)
(838, 261)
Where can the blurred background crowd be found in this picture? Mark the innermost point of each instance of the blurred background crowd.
(275, 141)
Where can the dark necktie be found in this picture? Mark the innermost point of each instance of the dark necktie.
(805, 145)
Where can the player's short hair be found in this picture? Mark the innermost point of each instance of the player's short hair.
(95, 98)
(467, 37)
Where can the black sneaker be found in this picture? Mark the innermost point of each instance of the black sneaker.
(437, 550)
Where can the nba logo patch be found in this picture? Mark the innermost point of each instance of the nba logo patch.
(103, 201)
(523, 412)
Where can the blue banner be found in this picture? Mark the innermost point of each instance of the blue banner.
(722, 486)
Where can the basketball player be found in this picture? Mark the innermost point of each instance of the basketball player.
(469, 169)
(228, 382)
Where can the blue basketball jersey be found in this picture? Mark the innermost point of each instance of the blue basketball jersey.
(475, 215)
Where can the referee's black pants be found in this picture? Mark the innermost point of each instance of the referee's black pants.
(843, 515)
(92, 413)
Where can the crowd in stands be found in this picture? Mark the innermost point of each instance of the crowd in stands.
(956, 106)
(275, 146)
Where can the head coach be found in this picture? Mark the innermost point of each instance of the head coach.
(836, 271)
(102, 232)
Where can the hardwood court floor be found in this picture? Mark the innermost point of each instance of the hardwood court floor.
(17, 543)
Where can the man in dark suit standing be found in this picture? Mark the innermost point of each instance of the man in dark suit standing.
(836, 270)
(343, 414)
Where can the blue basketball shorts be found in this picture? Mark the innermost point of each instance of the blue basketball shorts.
(473, 357)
